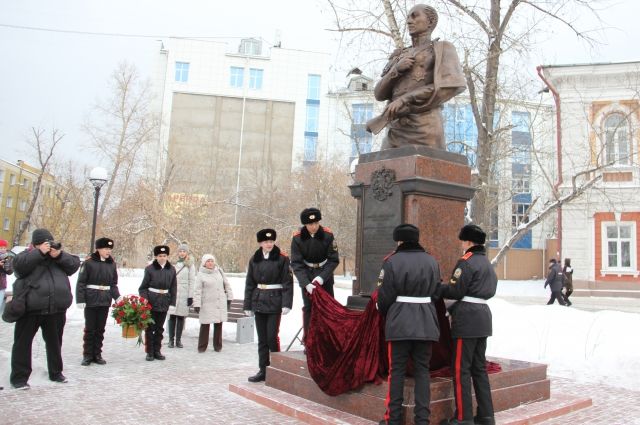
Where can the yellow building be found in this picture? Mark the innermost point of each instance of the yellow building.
(17, 182)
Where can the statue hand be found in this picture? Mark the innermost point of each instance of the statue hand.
(405, 64)
(393, 109)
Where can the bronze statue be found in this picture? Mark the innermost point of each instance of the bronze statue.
(416, 81)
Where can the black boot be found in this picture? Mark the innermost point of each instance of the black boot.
(99, 360)
(158, 356)
(86, 361)
(171, 343)
(258, 377)
(179, 328)
(149, 357)
(485, 420)
(179, 344)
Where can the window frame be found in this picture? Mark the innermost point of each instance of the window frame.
(612, 136)
(236, 80)
(182, 71)
(604, 245)
(256, 77)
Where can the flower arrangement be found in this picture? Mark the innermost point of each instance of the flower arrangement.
(133, 311)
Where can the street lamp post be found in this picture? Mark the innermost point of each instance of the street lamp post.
(97, 177)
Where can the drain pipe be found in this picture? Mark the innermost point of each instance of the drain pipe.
(556, 98)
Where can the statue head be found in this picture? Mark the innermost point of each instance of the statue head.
(415, 22)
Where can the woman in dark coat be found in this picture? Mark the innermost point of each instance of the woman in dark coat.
(568, 280)
(97, 286)
(268, 294)
(159, 286)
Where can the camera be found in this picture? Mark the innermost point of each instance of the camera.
(55, 245)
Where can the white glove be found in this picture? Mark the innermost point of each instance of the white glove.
(310, 287)
(81, 305)
(285, 310)
(319, 280)
(248, 313)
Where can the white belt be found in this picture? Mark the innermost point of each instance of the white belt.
(99, 287)
(415, 300)
(159, 291)
(272, 286)
(474, 300)
(315, 265)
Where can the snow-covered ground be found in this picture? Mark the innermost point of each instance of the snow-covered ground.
(586, 346)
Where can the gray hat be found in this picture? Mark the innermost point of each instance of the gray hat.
(183, 247)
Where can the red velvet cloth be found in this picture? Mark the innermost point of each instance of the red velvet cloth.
(346, 348)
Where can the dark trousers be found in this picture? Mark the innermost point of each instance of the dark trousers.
(176, 325)
(95, 320)
(557, 295)
(203, 338)
(469, 362)
(306, 309)
(267, 326)
(399, 353)
(25, 330)
(153, 333)
(567, 294)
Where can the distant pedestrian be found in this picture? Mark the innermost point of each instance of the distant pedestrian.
(408, 279)
(97, 286)
(268, 294)
(159, 287)
(555, 281)
(44, 271)
(567, 270)
(472, 283)
(212, 297)
(186, 277)
(5, 269)
(314, 257)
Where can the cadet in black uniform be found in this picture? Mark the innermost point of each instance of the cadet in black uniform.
(268, 294)
(97, 286)
(159, 286)
(472, 283)
(314, 257)
(409, 277)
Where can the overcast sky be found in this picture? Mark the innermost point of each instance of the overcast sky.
(51, 79)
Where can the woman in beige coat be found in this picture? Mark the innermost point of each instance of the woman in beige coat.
(212, 298)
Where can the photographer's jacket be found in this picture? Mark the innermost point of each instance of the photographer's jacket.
(472, 283)
(97, 282)
(48, 278)
(274, 270)
(412, 273)
(159, 286)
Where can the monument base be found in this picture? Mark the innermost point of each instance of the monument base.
(518, 383)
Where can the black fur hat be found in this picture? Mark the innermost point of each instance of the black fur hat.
(40, 236)
(160, 249)
(266, 235)
(406, 233)
(472, 233)
(310, 215)
(104, 243)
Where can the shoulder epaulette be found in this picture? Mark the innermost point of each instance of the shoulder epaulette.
(466, 256)
(327, 229)
(296, 233)
(388, 255)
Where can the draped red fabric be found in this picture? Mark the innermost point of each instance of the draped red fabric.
(346, 348)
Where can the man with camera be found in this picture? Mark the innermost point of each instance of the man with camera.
(44, 272)
(5, 269)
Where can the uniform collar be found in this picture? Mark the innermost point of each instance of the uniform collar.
(273, 255)
(304, 233)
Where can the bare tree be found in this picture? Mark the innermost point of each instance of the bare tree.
(44, 150)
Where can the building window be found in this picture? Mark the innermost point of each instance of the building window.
(237, 76)
(361, 139)
(618, 246)
(9, 202)
(313, 115)
(250, 46)
(460, 131)
(25, 183)
(617, 140)
(313, 87)
(12, 179)
(519, 216)
(23, 205)
(255, 78)
(310, 144)
(6, 224)
(182, 72)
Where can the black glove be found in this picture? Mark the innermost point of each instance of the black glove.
(189, 302)
(228, 304)
(197, 309)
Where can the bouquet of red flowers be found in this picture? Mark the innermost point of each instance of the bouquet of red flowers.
(132, 311)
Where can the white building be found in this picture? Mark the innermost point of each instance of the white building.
(600, 137)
